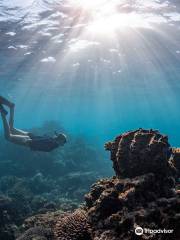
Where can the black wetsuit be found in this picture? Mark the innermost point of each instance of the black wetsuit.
(42, 143)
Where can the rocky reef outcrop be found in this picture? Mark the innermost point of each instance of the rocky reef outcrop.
(144, 194)
(116, 207)
(176, 160)
(139, 152)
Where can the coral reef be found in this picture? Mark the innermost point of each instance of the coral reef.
(38, 195)
(139, 152)
(57, 225)
(72, 227)
(144, 193)
(176, 160)
(38, 233)
(36, 183)
(8, 228)
(117, 206)
(45, 220)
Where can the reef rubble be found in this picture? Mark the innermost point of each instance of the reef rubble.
(144, 193)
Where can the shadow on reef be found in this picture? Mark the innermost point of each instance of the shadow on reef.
(144, 193)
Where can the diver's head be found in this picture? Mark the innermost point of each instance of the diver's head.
(60, 138)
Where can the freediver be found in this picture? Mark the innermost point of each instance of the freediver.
(27, 139)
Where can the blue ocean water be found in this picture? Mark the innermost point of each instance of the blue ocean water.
(97, 69)
(94, 70)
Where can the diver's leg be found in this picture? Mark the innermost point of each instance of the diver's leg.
(11, 124)
(11, 118)
(17, 139)
(20, 139)
(6, 102)
(3, 110)
(19, 132)
(7, 132)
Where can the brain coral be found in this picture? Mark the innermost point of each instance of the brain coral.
(72, 227)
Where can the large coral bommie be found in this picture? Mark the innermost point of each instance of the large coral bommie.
(139, 152)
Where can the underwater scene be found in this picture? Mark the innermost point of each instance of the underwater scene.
(90, 119)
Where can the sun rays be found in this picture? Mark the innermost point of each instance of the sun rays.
(88, 54)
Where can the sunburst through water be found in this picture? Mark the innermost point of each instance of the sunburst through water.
(92, 56)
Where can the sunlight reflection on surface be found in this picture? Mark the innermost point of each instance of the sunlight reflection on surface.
(109, 16)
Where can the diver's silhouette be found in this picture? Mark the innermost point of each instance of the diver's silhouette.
(19, 137)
